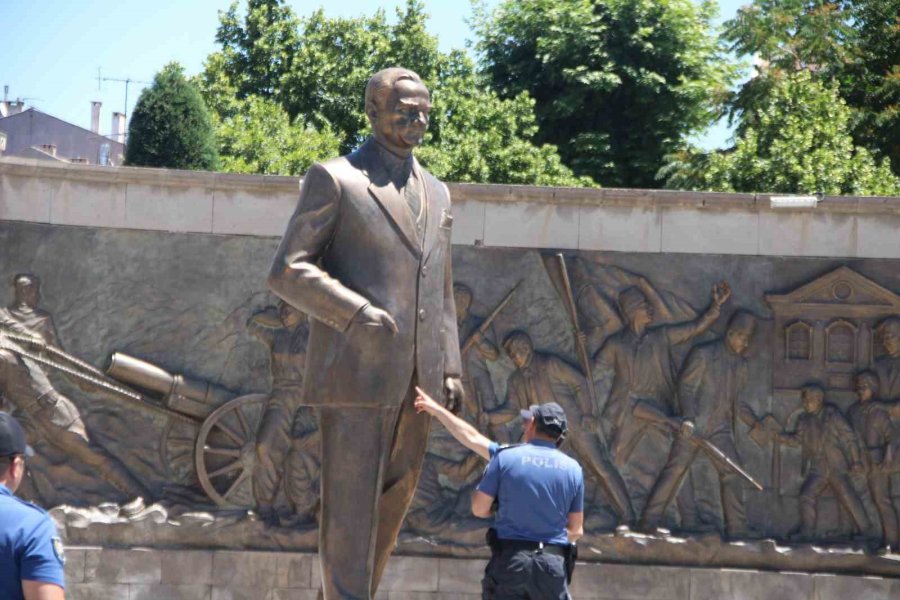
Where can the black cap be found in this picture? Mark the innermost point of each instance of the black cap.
(550, 415)
(12, 438)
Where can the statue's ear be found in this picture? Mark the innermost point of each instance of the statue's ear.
(372, 112)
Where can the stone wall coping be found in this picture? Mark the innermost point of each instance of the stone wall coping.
(461, 192)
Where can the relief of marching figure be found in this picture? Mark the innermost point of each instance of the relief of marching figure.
(709, 393)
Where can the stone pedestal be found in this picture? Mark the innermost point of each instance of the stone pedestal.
(108, 574)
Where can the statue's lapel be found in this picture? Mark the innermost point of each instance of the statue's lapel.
(392, 203)
(432, 211)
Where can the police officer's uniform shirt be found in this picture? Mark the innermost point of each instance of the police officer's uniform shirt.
(536, 487)
(29, 546)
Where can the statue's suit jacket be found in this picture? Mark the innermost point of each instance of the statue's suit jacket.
(351, 241)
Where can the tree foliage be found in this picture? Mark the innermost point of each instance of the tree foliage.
(852, 44)
(618, 84)
(800, 142)
(310, 74)
(170, 126)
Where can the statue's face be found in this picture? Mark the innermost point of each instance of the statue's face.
(401, 120)
(863, 389)
(463, 301)
(290, 316)
(812, 401)
(520, 353)
(642, 315)
(738, 341)
(891, 340)
(27, 293)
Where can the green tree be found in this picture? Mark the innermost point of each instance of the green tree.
(260, 138)
(618, 84)
(799, 143)
(170, 126)
(474, 134)
(851, 43)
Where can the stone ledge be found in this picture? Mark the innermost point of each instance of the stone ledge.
(239, 575)
(487, 193)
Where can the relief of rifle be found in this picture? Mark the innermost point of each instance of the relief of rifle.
(556, 268)
(49, 356)
(490, 319)
(647, 412)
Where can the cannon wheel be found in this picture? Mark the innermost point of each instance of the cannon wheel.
(225, 451)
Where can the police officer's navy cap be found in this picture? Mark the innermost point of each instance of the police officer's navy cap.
(550, 414)
(12, 438)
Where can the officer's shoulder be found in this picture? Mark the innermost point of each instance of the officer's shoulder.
(501, 448)
(26, 510)
(504, 447)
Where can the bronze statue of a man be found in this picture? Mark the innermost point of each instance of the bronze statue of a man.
(367, 256)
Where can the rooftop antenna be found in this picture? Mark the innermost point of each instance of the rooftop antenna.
(127, 81)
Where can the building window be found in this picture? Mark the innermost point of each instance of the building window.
(841, 342)
(799, 341)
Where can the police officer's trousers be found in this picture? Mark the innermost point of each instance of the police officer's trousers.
(524, 574)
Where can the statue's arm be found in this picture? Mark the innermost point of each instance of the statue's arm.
(295, 275)
(452, 361)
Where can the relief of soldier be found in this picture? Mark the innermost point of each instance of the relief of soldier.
(286, 440)
(871, 420)
(831, 453)
(27, 337)
(709, 391)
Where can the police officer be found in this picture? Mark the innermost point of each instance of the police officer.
(31, 554)
(540, 496)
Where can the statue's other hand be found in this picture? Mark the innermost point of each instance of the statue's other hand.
(453, 393)
(371, 316)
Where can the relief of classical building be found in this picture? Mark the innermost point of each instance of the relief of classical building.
(824, 332)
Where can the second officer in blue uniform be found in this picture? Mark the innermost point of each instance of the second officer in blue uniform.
(31, 554)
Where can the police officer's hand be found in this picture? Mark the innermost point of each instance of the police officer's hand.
(453, 393)
(425, 403)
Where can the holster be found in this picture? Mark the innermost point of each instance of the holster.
(569, 560)
(492, 540)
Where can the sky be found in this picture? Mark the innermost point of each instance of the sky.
(54, 50)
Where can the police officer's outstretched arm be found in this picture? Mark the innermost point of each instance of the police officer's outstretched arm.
(462, 431)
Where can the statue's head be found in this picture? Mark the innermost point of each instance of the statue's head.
(397, 104)
(519, 347)
(289, 315)
(27, 288)
(634, 307)
(889, 330)
(462, 297)
(813, 397)
(740, 331)
(866, 384)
